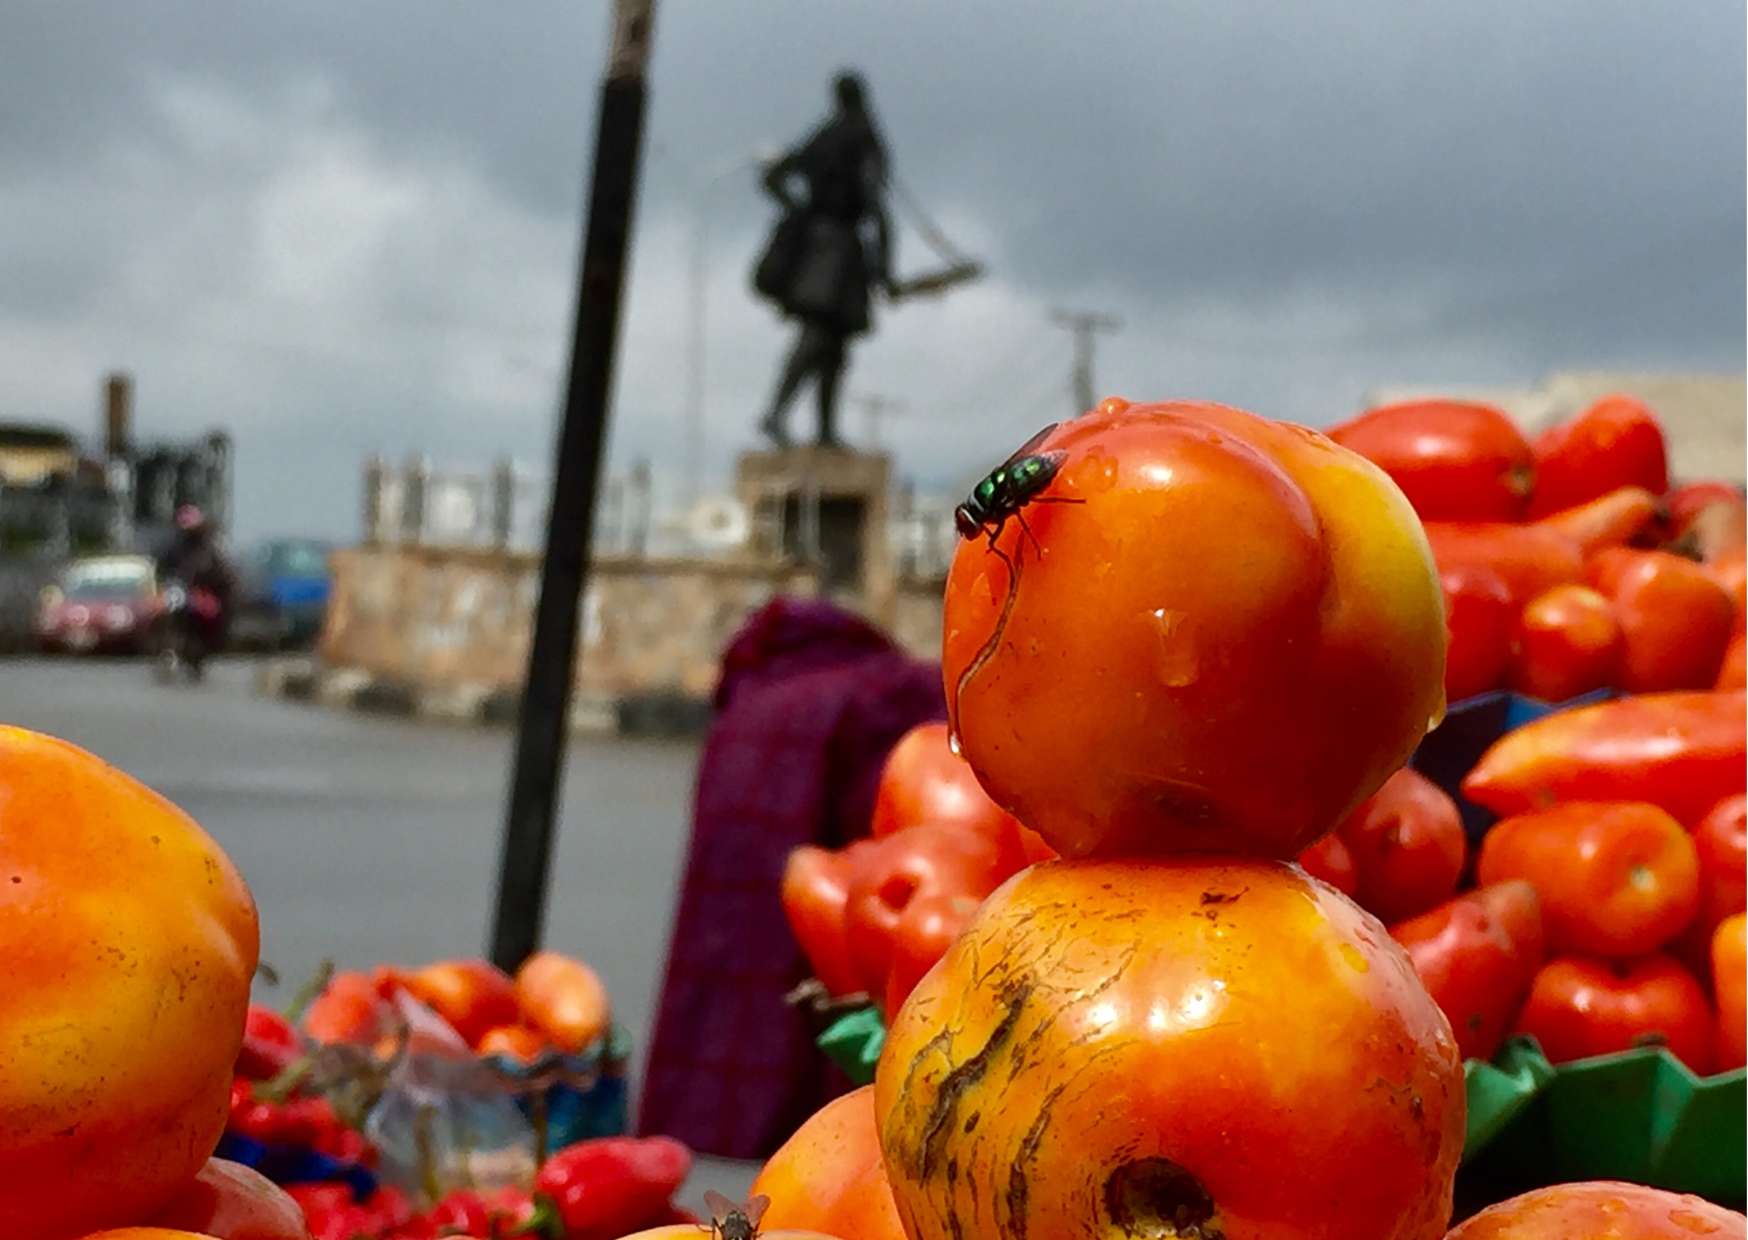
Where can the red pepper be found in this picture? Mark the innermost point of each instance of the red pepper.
(613, 1185)
(1477, 955)
(1528, 558)
(815, 892)
(1611, 520)
(270, 1044)
(1682, 751)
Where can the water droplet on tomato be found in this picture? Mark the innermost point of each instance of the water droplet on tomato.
(953, 743)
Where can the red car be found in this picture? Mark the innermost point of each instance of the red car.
(104, 604)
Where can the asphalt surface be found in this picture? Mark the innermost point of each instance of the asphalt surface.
(370, 839)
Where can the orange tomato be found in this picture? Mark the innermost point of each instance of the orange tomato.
(1567, 643)
(1454, 460)
(129, 942)
(1479, 615)
(1675, 618)
(1329, 859)
(352, 1008)
(563, 999)
(1615, 878)
(1610, 520)
(517, 1043)
(1616, 442)
(472, 995)
(1579, 1006)
(1477, 955)
(1729, 977)
(234, 1202)
(830, 1177)
(1226, 635)
(1125, 1046)
(1599, 1208)
(1528, 558)
(1407, 844)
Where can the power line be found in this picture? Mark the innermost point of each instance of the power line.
(1084, 325)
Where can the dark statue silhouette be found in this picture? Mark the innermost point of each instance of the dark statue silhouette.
(830, 247)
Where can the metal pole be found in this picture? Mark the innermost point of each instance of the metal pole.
(1084, 326)
(525, 862)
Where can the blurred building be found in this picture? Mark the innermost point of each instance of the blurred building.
(1706, 415)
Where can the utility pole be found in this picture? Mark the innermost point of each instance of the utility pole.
(876, 407)
(525, 862)
(1085, 326)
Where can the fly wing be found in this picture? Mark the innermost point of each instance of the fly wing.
(756, 1207)
(720, 1207)
(1025, 449)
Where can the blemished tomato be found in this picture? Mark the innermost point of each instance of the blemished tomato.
(1407, 844)
(1568, 642)
(1721, 839)
(917, 861)
(1120, 1047)
(564, 999)
(1579, 1006)
(1528, 558)
(1617, 442)
(1602, 1209)
(1454, 460)
(1729, 978)
(829, 1176)
(1612, 520)
(1479, 617)
(925, 931)
(234, 1202)
(1477, 955)
(1682, 751)
(1616, 878)
(815, 892)
(1675, 618)
(1160, 661)
(472, 995)
(1329, 859)
(130, 941)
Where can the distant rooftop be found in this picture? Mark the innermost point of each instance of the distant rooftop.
(35, 435)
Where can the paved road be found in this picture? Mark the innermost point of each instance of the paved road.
(369, 839)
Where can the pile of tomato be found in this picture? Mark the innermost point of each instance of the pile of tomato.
(1185, 648)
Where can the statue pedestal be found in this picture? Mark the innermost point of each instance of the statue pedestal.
(826, 507)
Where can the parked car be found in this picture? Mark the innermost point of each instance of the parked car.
(100, 604)
(282, 596)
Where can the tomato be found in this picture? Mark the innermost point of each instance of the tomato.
(1579, 1007)
(129, 942)
(1599, 1209)
(472, 995)
(690, 1231)
(896, 870)
(1611, 520)
(1477, 955)
(1528, 558)
(563, 999)
(1730, 570)
(1686, 501)
(1454, 460)
(350, 1009)
(1120, 1047)
(270, 1044)
(518, 1043)
(1617, 442)
(816, 892)
(925, 781)
(925, 930)
(1407, 844)
(1682, 751)
(1227, 635)
(1329, 859)
(609, 1185)
(1721, 839)
(1615, 878)
(1479, 615)
(1568, 642)
(1675, 619)
(234, 1202)
(829, 1176)
(1729, 977)
(1733, 674)
(148, 1233)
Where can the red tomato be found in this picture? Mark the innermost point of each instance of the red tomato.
(925, 781)
(1615, 878)
(917, 861)
(1682, 751)
(1675, 618)
(1477, 955)
(1730, 570)
(925, 931)
(1721, 839)
(1330, 860)
(270, 1044)
(472, 995)
(517, 1043)
(1478, 617)
(830, 1176)
(1611, 520)
(148, 1233)
(816, 892)
(607, 1186)
(1734, 672)
(1568, 642)
(564, 999)
(1408, 846)
(234, 1202)
(1579, 1007)
(1601, 1210)
(1454, 460)
(1617, 442)
(349, 1010)
(1729, 978)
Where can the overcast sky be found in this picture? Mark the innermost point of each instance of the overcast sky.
(344, 228)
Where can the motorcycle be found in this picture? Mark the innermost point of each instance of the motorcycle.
(186, 622)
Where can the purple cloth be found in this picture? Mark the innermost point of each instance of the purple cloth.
(810, 702)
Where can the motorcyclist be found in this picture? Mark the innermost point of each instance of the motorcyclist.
(194, 559)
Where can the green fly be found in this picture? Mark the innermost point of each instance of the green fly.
(1007, 489)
